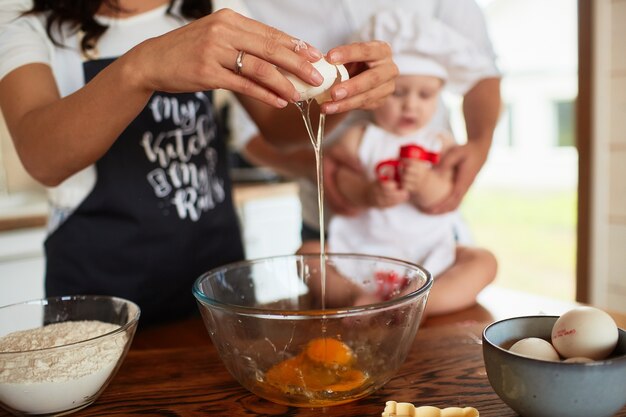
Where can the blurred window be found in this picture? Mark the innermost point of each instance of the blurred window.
(565, 123)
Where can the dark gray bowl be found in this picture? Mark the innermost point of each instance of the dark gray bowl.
(537, 388)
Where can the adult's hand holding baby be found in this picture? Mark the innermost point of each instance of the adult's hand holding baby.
(207, 54)
(336, 158)
(481, 107)
(466, 161)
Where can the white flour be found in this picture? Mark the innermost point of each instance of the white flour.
(53, 380)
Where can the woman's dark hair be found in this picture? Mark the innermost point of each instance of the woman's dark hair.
(80, 14)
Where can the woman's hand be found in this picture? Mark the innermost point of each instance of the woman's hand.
(203, 54)
(372, 73)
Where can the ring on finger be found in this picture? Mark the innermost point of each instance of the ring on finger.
(299, 44)
(239, 62)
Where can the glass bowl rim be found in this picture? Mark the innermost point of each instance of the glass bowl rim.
(63, 298)
(309, 314)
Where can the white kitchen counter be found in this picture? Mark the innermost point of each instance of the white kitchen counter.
(22, 232)
(21, 265)
(23, 210)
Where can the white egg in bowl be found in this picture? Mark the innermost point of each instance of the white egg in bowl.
(547, 387)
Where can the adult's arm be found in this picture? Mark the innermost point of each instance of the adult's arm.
(300, 163)
(481, 103)
(292, 163)
(481, 108)
(56, 137)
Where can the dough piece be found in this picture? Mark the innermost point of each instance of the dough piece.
(394, 409)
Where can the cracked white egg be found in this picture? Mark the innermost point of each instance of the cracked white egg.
(585, 331)
(536, 348)
(331, 74)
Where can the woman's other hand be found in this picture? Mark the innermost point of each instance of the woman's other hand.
(372, 76)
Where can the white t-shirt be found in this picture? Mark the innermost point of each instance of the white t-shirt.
(23, 40)
(401, 231)
(329, 23)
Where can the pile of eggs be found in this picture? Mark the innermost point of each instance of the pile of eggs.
(584, 334)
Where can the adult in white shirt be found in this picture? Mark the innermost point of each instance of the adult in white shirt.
(327, 23)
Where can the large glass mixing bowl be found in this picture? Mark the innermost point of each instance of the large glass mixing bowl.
(293, 338)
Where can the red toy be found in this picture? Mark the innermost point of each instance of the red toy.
(388, 169)
(413, 151)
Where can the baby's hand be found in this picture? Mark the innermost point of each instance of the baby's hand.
(413, 173)
(386, 193)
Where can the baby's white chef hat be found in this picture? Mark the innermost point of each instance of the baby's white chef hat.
(425, 45)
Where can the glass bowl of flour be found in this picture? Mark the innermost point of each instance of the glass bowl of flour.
(58, 354)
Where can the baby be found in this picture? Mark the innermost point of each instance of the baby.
(399, 152)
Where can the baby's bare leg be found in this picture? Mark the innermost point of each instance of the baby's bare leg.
(340, 290)
(458, 286)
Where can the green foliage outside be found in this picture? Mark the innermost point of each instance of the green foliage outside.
(533, 235)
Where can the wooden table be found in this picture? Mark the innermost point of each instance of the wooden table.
(445, 368)
(174, 370)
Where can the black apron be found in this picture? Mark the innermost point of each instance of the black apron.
(160, 213)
